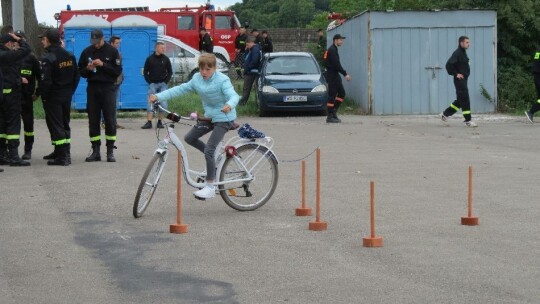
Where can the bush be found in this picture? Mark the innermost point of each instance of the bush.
(515, 88)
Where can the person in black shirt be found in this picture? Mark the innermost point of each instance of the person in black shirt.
(336, 92)
(206, 45)
(536, 74)
(59, 80)
(30, 73)
(10, 108)
(458, 66)
(321, 42)
(157, 73)
(266, 43)
(240, 50)
(101, 65)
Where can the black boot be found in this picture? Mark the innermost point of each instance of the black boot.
(3, 152)
(68, 153)
(27, 150)
(330, 118)
(4, 160)
(336, 108)
(61, 157)
(15, 160)
(95, 156)
(110, 152)
(52, 155)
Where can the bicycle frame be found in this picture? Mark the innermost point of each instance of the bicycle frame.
(172, 138)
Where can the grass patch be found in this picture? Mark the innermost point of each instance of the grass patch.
(184, 105)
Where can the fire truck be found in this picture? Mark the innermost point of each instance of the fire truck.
(183, 23)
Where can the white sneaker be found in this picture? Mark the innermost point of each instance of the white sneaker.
(529, 116)
(443, 118)
(208, 191)
(471, 124)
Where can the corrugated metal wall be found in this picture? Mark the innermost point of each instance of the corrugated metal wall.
(405, 73)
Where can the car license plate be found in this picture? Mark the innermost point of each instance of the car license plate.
(294, 98)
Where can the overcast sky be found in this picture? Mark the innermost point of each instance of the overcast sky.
(45, 9)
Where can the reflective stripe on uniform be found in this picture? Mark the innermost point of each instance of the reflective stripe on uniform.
(466, 112)
(28, 133)
(454, 107)
(107, 137)
(537, 56)
(330, 105)
(95, 138)
(68, 140)
(26, 72)
(3, 135)
(6, 91)
(59, 142)
(339, 99)
(538, 101)
(14, 136)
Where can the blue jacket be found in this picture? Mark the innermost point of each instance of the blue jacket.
(253, 59)
(214, 92)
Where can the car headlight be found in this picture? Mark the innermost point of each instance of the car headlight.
(269, 89)
(318, 89)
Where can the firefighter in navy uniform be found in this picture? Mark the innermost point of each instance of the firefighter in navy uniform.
(100, 64)
(206, 44)
(536, 73)
(240, 50)
(59, 80)
(336, 92)
(30, 72)
(10, 108)
(1, 100)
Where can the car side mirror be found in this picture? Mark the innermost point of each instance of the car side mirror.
(181, 55)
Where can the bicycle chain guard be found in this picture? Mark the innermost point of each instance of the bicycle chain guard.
(230, 151)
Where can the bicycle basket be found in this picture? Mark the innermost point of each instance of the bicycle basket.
(246, 131)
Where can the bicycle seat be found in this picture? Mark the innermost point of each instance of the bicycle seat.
(233, 126)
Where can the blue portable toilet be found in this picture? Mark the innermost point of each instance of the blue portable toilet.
(77, 37)
(139, 35)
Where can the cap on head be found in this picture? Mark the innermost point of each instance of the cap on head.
(96, 36)
(20, 34)
(52, 35)
(338, 36)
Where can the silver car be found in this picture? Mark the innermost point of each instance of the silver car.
(184, 59)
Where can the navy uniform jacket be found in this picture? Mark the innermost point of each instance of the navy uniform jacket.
(458, 63)
(59, 73)
(331, 61)
(112, 64)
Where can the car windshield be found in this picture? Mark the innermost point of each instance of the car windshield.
(291, 65)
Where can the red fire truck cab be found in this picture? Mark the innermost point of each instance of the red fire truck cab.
(183, 23)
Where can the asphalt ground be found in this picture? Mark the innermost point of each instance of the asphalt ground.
(67, 234)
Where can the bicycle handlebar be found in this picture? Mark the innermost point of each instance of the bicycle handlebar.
(171, 115)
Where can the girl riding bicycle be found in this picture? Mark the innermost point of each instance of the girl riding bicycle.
(219, 100)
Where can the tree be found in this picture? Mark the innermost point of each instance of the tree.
(30, 21)
(296, 13)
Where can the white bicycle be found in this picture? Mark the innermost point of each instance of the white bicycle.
(247, 169)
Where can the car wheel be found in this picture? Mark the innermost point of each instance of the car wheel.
(262, 113)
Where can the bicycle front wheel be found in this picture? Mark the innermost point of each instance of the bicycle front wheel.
(249, 195)
(148, 184)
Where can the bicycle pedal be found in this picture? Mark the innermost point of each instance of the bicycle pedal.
(199, 198)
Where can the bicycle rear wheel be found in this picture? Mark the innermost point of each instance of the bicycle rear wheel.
(148, 184)
(249, 195)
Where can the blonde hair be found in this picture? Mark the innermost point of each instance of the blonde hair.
(207, 60)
